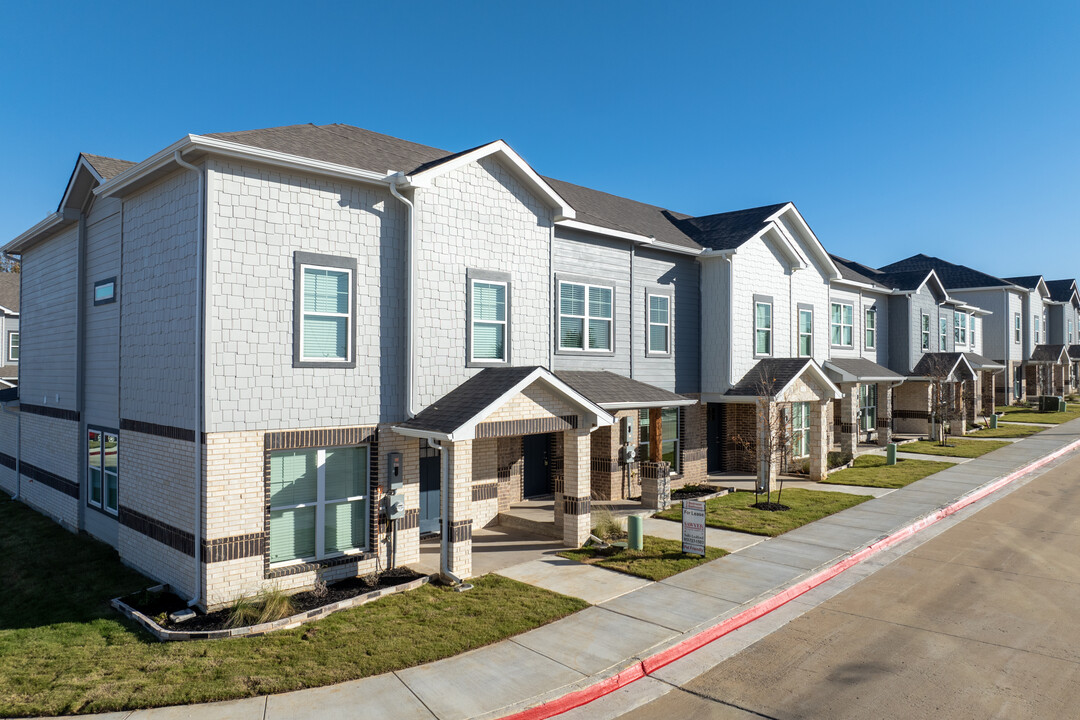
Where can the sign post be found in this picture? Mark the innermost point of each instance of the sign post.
(693, 527)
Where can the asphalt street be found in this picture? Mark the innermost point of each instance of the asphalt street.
(978, 622)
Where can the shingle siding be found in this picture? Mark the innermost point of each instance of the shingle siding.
(47, 353)
(102, 344)
(679, 372)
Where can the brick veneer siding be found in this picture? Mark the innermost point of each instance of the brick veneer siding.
(693, 433)
(911, 408)
(50, 467)
(8, 437)
(511, 467)
(741, 422)
(485, 477)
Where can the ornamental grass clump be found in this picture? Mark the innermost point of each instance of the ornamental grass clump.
(267, 606)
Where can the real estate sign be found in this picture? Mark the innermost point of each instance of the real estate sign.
(693, 527)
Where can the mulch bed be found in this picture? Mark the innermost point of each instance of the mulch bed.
(770, 506)
(158, 605)
(692, 492)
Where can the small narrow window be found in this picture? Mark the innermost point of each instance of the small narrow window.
(843, 324)
(971, 334)
(488, 321)
(1070, 338)
(659, 324)
(925, 332)
(105, 291)
(13, 346)
(1016, 328)
(943, 334)
(585, 317)
(800, 429)
(806, 332)
(1036, 321)
(103, 471)
(762, 328)
(871, 328)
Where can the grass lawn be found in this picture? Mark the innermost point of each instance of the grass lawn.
(871, 471)
(959, 447)
(63, 650)
(1023, 414)
(733, 511)
(1006, 431)
(658, 558)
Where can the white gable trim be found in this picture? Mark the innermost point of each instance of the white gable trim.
(832, 391)
(816, 248)
(787, 244)
(517, 163)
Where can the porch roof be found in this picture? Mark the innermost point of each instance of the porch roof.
(848, 370)
(454, 416)
(937, 363)
(612, 391)
(1074, 352)
(773, 377)
(1049, 354)
(981, 362)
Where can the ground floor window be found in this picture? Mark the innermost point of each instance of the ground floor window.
(103, 470)
(318, 503)
(669, 433)
(867, 407)
(800, 429)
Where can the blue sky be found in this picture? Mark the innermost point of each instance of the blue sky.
(946, 128)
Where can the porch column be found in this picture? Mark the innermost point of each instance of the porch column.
(576, 499)
(958, 426)
(849, 420)
(819, 440)
(884, 413)
(656, 431)
(989, 393)
(457, 501)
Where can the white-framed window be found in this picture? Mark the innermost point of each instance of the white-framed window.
(659, 324)
(488, 330)
(971, 333)
(318, 503)
(960, 328)
(925, 331)
(103, 470)
(1017, 332)
(1045, 326)
(806, 332)
(669, 437)
(842, 324)
(868, 397)
(800, 429)
(13, 346)
(870, 329)
(1035, 319)
(326, 316)
(943, 334)
(762, 327)
(1070, 337)
(585, 317)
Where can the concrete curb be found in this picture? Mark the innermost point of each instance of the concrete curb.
(661, 659)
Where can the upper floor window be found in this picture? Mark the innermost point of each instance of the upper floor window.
(105, 291)
(871, 328)
(585, 317)
(1070, 336)
(806, 332)
(488, 323)
(762, 326)
(103, 470)
(925, 331)
(323, 312)
(960, 328)
(971, 333)
(843, 324)
(659, 324)
(13, 345)
(1016, 328)
(943, 334)
(1036, 328)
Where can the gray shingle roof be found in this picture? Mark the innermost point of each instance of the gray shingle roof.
(952, 276)
(768, 377)
(461, 404)
(981, 362)
(1047, 353)
(9, 394)
(9, 290)
(1028, 282)
(607, 388)
(729, 230)
(107, 167)
(9, 372)
(856, 272)
(1074, 352)
(1061, 290)
(930, 364)
(842, 369)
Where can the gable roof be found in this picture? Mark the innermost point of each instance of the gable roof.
(107, 167)
(618, 213)
(9, 290)
(1033, 283)
(729, 230)
(856, 272)
(952, 276)
(773, 376)
(930, 363)
(981, 362)
(612, 391)
(1049, 354)
(1061, 290)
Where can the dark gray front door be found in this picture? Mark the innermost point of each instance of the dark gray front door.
(429, 490)
(715, 456)
(537, 465)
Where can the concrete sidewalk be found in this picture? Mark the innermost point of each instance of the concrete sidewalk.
(631, 622)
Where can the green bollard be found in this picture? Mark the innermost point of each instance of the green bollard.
(635, 536)
(993, 422)
(890, 454)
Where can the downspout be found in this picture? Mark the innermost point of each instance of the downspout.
(633, 348)
(199, 347)
(410, 296)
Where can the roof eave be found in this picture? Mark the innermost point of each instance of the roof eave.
(51, 224)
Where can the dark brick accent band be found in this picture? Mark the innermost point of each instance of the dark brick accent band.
(883, 422)
(410, 521)
(509, 428)
(605, 465)
(233, 548)
(313, 566)
(165, 431)
(49, 479)
(53, 412)
(577, 505)
(911, 414)
(7, 461)
(175, 538)
(847, 428)
(297, 439)
(695, 454)
(486, 491)
(461, 530)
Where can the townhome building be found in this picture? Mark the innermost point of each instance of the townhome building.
(9, 329)
(1064, 326)
(1046, 362)
(264, 355)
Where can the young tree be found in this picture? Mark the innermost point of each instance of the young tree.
(770, 444)
(944, 407)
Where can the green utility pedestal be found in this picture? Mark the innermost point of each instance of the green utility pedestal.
(635, 535)
(890, 454)
(993, 422)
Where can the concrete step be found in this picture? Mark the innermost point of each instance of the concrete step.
(530, 525)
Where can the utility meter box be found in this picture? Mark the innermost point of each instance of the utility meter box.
(395, 506)
(626, 431)
(628, 454)
(395, 478)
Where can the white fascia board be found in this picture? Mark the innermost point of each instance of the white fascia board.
(817, 372)
(429, 434)
(1010, 287)
(790, 247)
(150, 164)
(49, 224)
(717, 254)
(423, 178)
(937, 281)
(8, 311)
(861, 286)
(816, 247)
(599, 230)
(645, 405)
(676, 248)
(1041, 288)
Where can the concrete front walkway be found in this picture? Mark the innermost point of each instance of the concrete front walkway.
(636, 619)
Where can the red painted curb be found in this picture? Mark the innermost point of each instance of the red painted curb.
(663, 658)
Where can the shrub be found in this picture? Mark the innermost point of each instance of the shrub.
(836, 459)
(605, 525)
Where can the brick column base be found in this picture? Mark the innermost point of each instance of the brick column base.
(576, 520)
(655, 484)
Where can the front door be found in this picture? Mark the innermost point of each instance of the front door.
(715, 444)
(429, 490)
(537, 465)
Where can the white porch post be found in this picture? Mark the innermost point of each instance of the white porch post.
(456, 491)
(576, 498)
